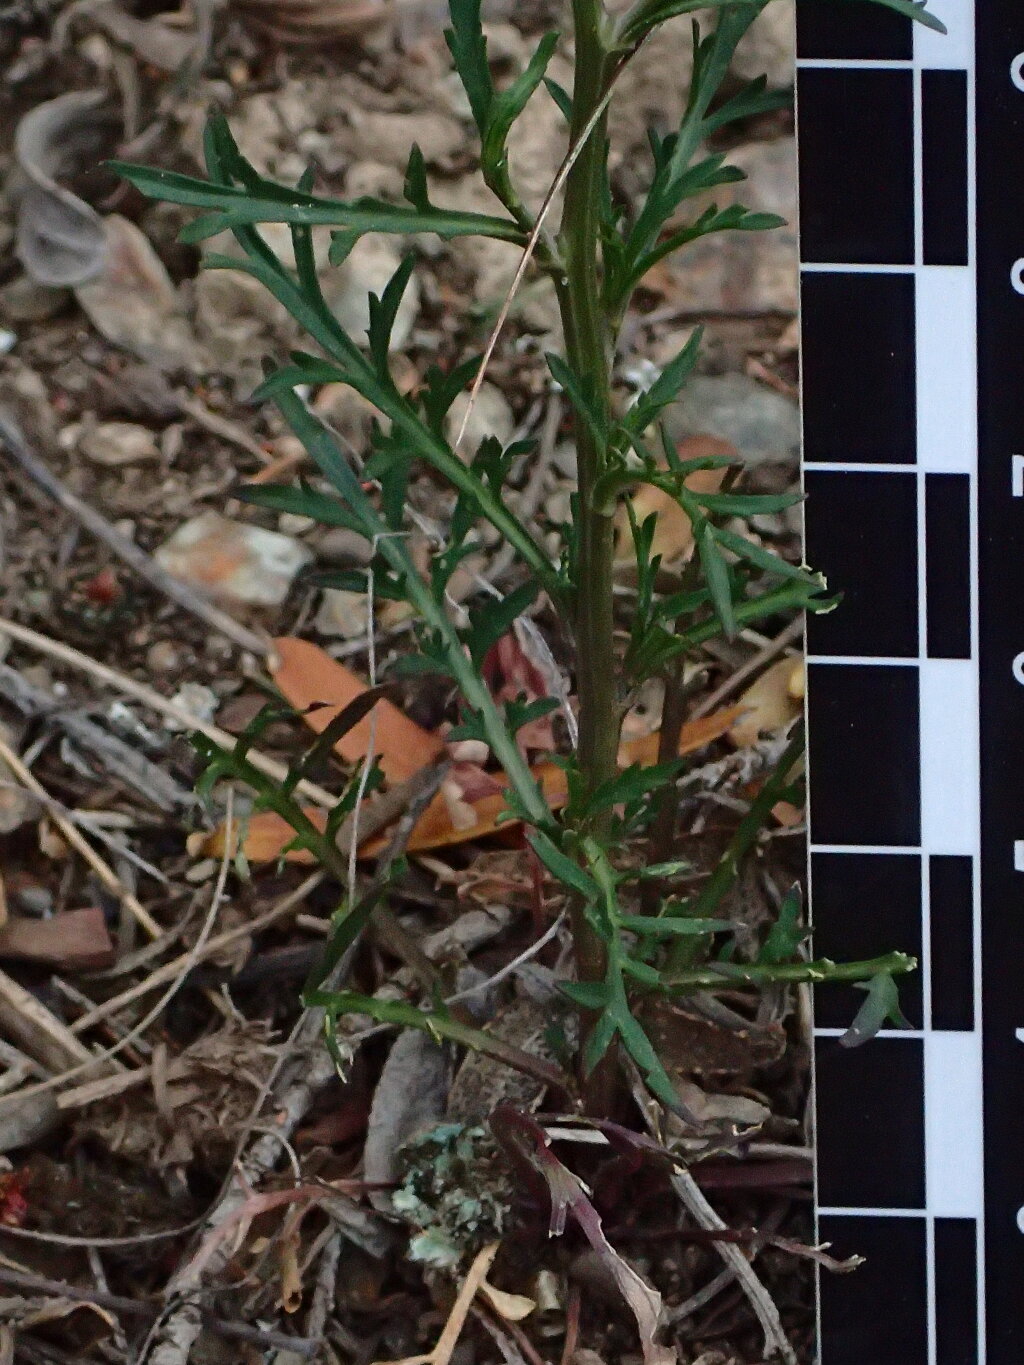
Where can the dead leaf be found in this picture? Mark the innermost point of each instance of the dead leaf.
(410, 1098)
(512, 1307)
(156, 43)
(133, 303)
(511, 674)
(770, 702)
(673, 533)
(319, 687)
(267, 834)
(311, 23)
(60, 238)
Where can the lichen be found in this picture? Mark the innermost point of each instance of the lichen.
(455, 1190)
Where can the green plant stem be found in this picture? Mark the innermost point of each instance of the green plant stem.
(588, 353)
(823, 969)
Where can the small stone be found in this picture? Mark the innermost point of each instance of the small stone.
(234, 562)
(294, 524)
(118, 443)
(26, 300)
(761, 424)
(342, 612)
(198, 700)
(768, 48)
(368, 268)
(490, 416)
(339, 545)
(163, 657)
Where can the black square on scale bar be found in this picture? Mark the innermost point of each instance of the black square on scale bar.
(856, 165)
(864, 739)
(879, 1314)
(859, 367)
(850, 30)
(870, 1124)
(861, 904)
(862, 535)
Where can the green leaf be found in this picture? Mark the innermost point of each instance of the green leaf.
(302, 502)
(415, 188)
(384, 310)
(640, 971)
(233, 207)
(882, 1006)
(746, 504)
(665, 388)
(561, 97)
(787, 933)
(493, 619)
(599, 1041)
(580, 393)
(589, 995)
(766, 560)
(507, 105)
(342, 242)
(468, 47)
(631, 784)
(716, 575)
(668, 926)
(564, 868)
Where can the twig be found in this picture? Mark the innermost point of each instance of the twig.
(776, 1341)
(326, 1286)
(56, 649)
(119, 1303)
(214, 945)
(38, 1032)
(79, 843)
(176, 589)
(190, 958)
(119, 758)
(227, 430)
(756, 661)
(292, 1091)
(449, 1338)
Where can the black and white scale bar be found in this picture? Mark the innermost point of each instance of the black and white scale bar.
(911, 150)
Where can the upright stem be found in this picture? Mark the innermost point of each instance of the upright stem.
(588, 349)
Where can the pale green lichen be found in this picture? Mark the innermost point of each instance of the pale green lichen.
(455, 1189)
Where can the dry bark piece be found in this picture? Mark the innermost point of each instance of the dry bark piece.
(76, 940)
(60, 238)
(409, 1099)
(311, 23)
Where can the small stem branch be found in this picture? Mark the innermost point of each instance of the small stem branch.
(812, 973)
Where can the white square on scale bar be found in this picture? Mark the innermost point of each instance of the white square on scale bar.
(953, 49)
(1018, 855)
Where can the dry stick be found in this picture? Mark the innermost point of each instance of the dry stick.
(37, 1031)
(171, 1340)
(118, 1303)
(190, 958)
(79, 843)
(213, 946)
(232, 432)
(125, 549)
(776, 1341)
(133, 769)
(56, 649)
(764, 655)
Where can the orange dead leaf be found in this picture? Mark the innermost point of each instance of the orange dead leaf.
(673, 534)
(307, 676)
(266, 834)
